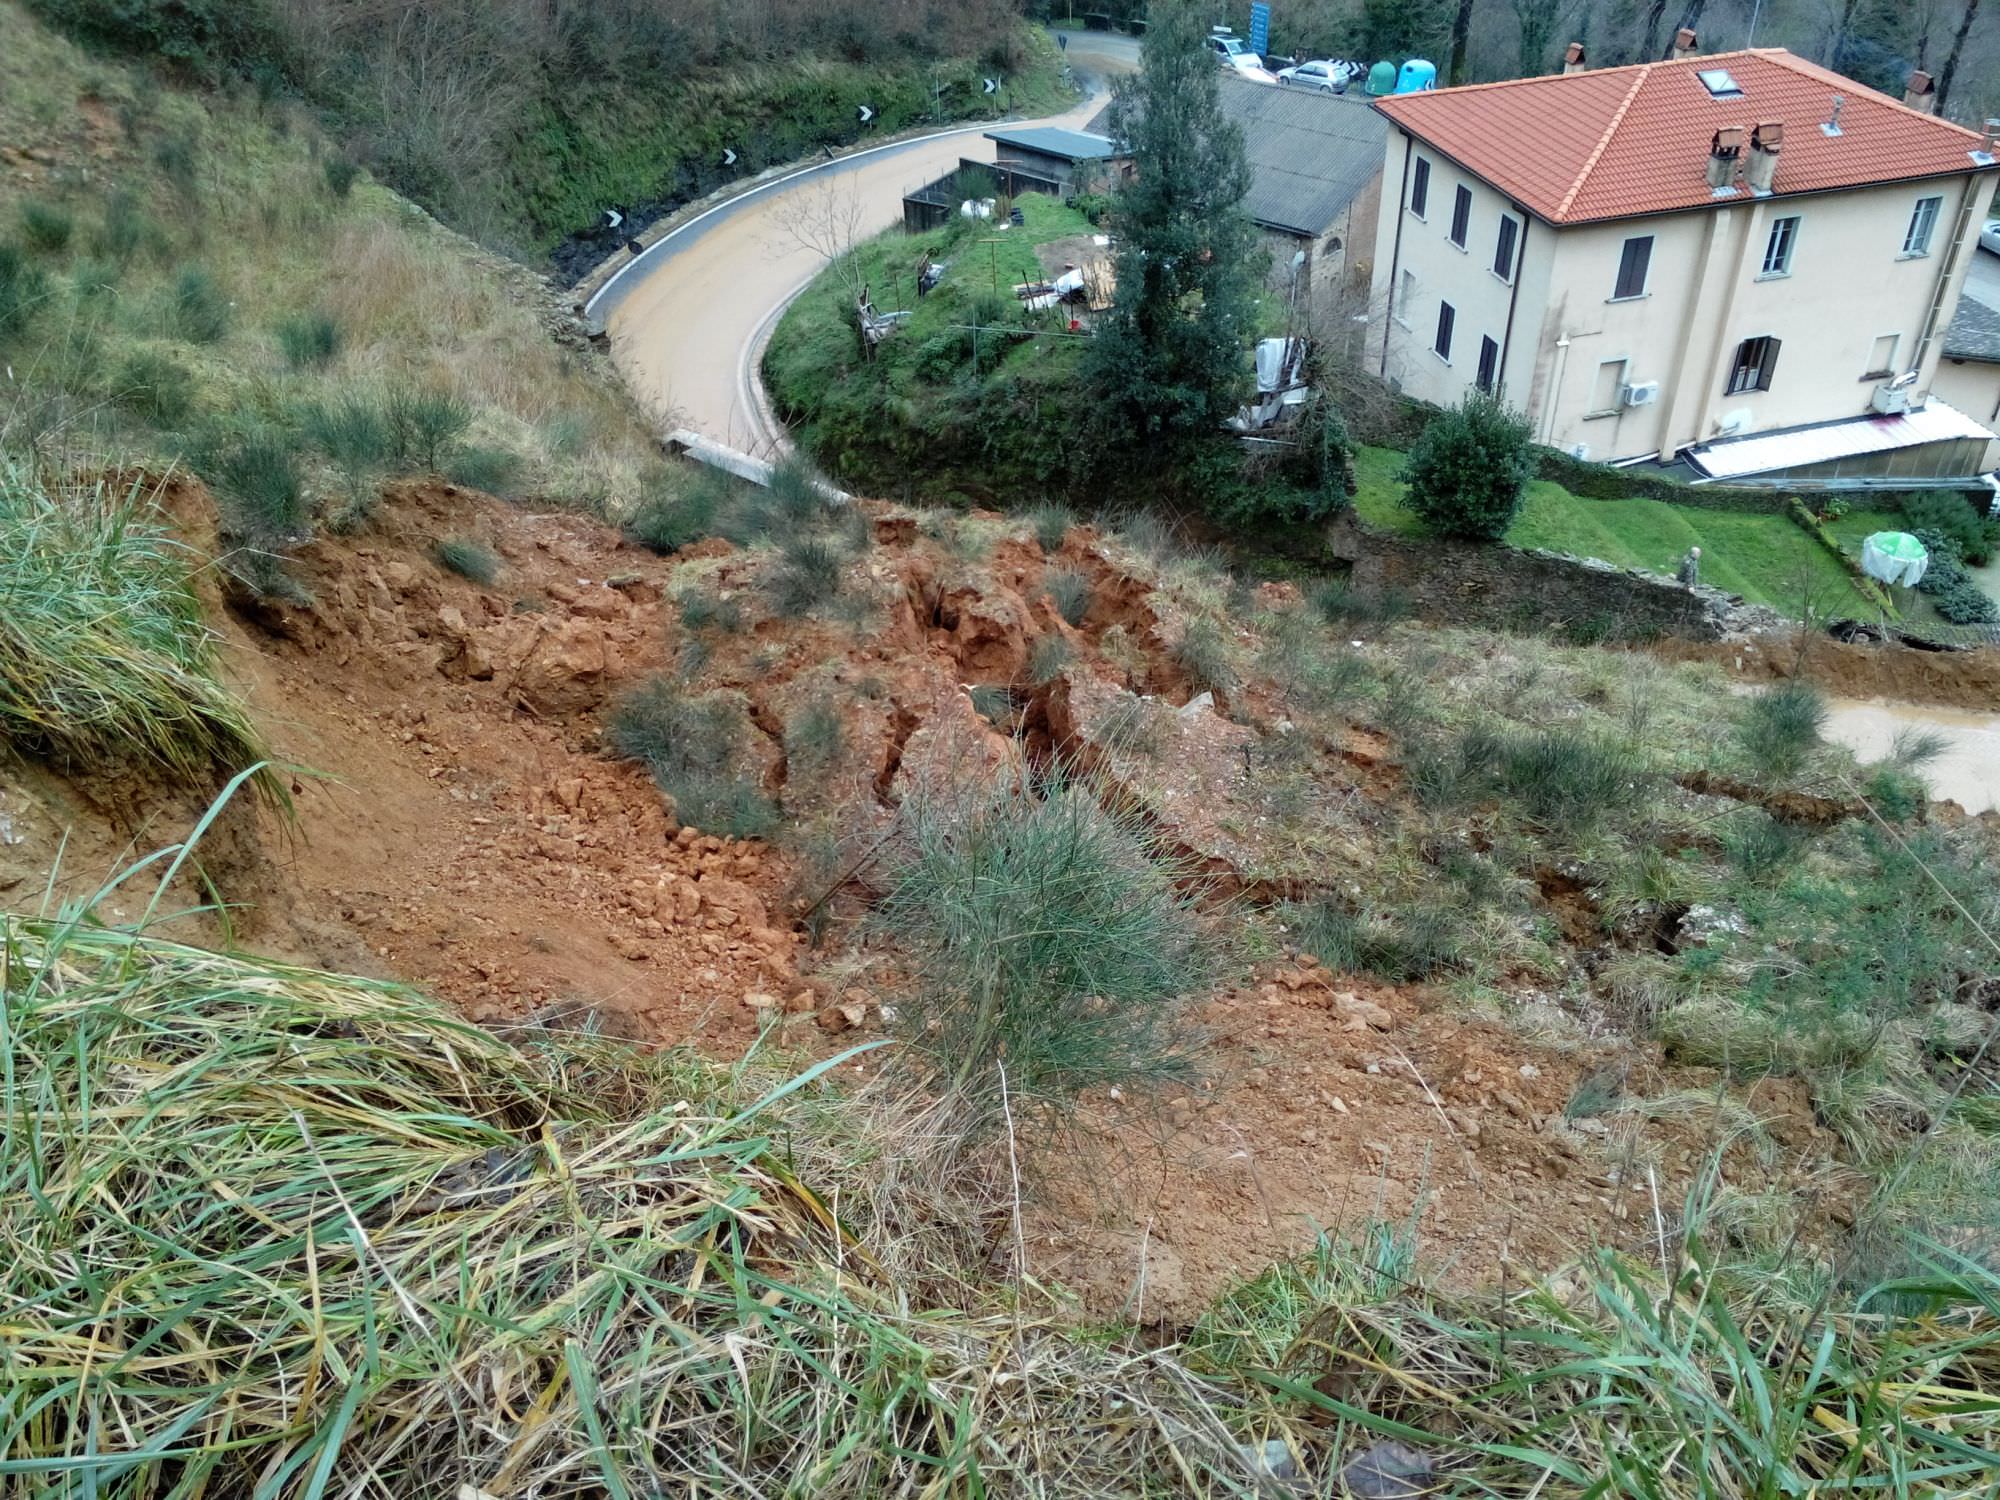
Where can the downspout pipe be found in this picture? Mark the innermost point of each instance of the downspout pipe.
(1396, 254)
(1513, 301)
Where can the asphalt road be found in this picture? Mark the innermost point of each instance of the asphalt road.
(688, 319)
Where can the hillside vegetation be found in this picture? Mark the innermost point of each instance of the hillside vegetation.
(521, 122)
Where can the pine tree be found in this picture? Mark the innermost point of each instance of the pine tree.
(1170, 361)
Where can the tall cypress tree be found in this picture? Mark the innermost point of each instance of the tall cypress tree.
(1170, 361)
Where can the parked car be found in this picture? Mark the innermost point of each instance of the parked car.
(1225, 44)
(1328, 76)
(1248, 65)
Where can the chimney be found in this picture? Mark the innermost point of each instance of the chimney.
(1724, 151)
(1992, 137)
(1765, 143)
(1685, 41)
(1573, 61)
(1920, 93)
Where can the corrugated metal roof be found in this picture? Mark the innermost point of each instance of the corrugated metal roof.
(1620, 142)
(1051, 140)
(1311, 153)
(1796, 447)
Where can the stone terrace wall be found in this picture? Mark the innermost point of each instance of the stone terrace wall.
(1462, 583)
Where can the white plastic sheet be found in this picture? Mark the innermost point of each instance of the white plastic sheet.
(1895, 557)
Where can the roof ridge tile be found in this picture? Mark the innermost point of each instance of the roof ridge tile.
(1610, 130)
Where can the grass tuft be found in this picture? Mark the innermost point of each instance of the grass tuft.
(1780, 730)
(808, 574)
(1070, 592)
(693, 745)
(474, 561)
(310, 340)
(104, 659)
(46, 228)
(201, 313)
(1051, 525)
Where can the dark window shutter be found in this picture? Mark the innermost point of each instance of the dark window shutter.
(1420, 187)
(1503, 254)
(1489, 359)
(1769, 365)
(1445, 319)
(1632, 266)
(1461, 216)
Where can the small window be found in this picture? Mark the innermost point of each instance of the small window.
(1489, 364)
(1778, 248)
(1420, 187)
(1446, 317)
(1756, 361)
(1503, 250)
(1461, 216)
(1610, 383)
(1633, 266)
(1406, 297)
(1923, 223)
(1882, 357)
(1719, 83)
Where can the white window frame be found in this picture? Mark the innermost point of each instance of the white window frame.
(1406, 293)
(1624, 363)
(1886, 371)
(1645, 279)
(1914, 246)
(1440, 335)
(1782, 243)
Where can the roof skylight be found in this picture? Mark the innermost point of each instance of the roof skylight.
(1719, 83)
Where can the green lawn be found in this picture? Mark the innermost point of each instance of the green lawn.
(1765, 558)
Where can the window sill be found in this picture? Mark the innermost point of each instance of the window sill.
(1457, 246)
(1877, 375)
(1443, 359)
(1914, 255)
(1421, 219)
(1635, 297)
(1601, 416)
(1503, 280)
(1774, 276)
(1403, 323)
(1748, 390)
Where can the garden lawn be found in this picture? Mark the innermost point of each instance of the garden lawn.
(1764, 557)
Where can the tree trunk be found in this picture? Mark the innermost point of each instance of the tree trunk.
(1651, 39)
(1847, 10)
(1461, 33)
(1957, 46)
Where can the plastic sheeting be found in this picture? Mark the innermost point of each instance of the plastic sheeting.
(1895, 557)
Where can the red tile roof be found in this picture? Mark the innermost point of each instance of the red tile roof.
(1621, 142)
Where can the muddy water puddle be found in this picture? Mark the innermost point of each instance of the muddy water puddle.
(1968, 772)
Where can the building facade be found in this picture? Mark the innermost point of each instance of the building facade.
(1657, 260)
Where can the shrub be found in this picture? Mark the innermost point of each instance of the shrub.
(705, 609)
(1069, 591)
(23, 289)
(175, 157)
(309, 340)
(1051, 524)
(155, 387)
(94, 277)
(425, 423)
(353, 436)
(125, 229)
(1203, 654)
(104, 658)
(1565, 778)
(814, 738)
(492, 471)
(1952, 516)
(677, 509)
(808, 574)
(1468, 470)
(1780, 729)
(1338, 602)
(200, 310)
(995, 703)
(340, 172)
(1046, 659)
(691, 745)
(1048, 934)
(259, 489)
(46, 228)
(470, 560)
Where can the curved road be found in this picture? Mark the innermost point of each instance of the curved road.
(688, 318)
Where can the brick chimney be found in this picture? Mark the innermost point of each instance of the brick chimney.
(1766, 141)
(1573, 60)
(1685, 42)
(1920, 93)
(1724, 151)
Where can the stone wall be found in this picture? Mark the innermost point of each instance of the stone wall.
(1461, 583)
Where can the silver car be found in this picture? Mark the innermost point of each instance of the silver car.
(1328, 76)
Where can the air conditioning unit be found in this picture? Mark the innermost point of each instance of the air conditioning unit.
(1643, 394)
(1892, 399)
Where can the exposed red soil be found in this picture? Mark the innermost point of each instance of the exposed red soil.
(461, 828)
(1955, 679)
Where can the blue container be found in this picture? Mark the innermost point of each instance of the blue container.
(1417, 77)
